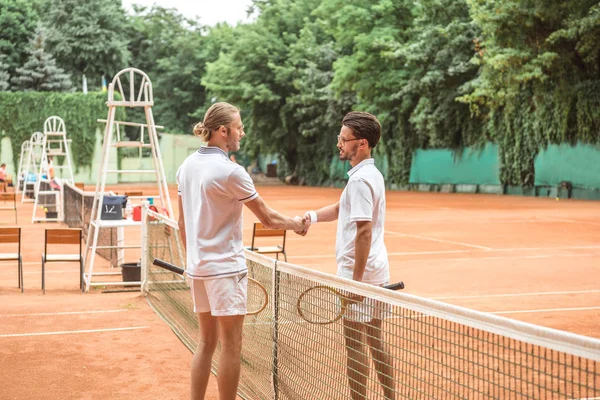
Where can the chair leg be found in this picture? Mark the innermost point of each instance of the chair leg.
(284, 256)
(81, 275)
(43, 275)
(21, 284)
(19, 272)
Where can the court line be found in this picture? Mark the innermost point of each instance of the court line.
(411, 253)
(571, 221)
(546, 310)
(429, 260)
(439, 240)
(72, 332)
(62, 313)
(517, 294)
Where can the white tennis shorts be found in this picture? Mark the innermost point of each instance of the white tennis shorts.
(367, 310)
(220, 297)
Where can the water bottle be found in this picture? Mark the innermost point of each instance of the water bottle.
(128, 209)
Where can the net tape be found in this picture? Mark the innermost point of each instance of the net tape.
(434, 350)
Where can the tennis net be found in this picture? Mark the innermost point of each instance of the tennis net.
(423, 349)
(77, 212)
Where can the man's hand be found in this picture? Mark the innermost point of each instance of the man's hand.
(301, 228)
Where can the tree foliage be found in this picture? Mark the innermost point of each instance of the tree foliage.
(23, 113)
(18, 20)
(87, 37)
(40, 72)
(4, 75)
(437, 73)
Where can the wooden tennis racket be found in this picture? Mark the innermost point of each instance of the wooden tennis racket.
(257, 294)
(324, 305)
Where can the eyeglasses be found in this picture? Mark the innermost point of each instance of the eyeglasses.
(344, 141)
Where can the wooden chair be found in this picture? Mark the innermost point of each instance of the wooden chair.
(62, 236)
(13, 236)
(260, 231)
(8, 201)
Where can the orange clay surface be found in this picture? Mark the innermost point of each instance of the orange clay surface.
(531, 259)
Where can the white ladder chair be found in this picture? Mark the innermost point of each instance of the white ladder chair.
(48, 191)
(34, 156)
(135, 90)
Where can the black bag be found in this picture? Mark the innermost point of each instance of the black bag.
(112, 207)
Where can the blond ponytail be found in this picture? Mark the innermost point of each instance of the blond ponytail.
(219, 114)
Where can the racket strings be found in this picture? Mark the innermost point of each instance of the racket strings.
(321, 305)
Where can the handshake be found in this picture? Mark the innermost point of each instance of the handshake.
(301, 224)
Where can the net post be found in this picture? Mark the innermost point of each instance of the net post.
(144, 255)
(275, 309)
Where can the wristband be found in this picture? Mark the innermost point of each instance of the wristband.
(313, 217)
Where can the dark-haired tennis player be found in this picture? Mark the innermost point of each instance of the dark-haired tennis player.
(212, 192)
(360, 251)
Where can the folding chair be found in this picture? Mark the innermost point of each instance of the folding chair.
(9, 202)
(62, 236)
(260, 231)
(13, 236)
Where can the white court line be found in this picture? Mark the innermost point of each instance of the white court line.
(546, 310)
(572, 221)
(417, 253)
(72, 332)
(439, 240)
(502, 257)
(516, 294)
(587, 398)
(61, 313)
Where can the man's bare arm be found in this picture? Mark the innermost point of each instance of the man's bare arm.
(362, 247)
(272, 219)
(181, 223)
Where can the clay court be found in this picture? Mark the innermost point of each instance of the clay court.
(531, 259)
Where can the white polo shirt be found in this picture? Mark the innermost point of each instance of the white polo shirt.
(213, 190)
(363, 199)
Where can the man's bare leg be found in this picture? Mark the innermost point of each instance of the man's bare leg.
(201, 362)
(382, 359)
(357, 360)
(230, 334)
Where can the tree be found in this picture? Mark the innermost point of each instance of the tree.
(255, 73)
(173, 51)
(152, 33)
(18, 19)
(4, 75)
(538, 78)
(87, 37)
(40, 72)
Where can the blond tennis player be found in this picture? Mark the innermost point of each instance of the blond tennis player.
(360, 251)
(212, 190)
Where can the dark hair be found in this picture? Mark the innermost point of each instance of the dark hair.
(364, 126)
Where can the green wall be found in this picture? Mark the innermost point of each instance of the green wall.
(471, 166)
(579, 164)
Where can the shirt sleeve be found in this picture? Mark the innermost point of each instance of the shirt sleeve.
(241, 185)
(179, 183)
(361, 201)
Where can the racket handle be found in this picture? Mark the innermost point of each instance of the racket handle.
(395, 286)
(169, 266)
